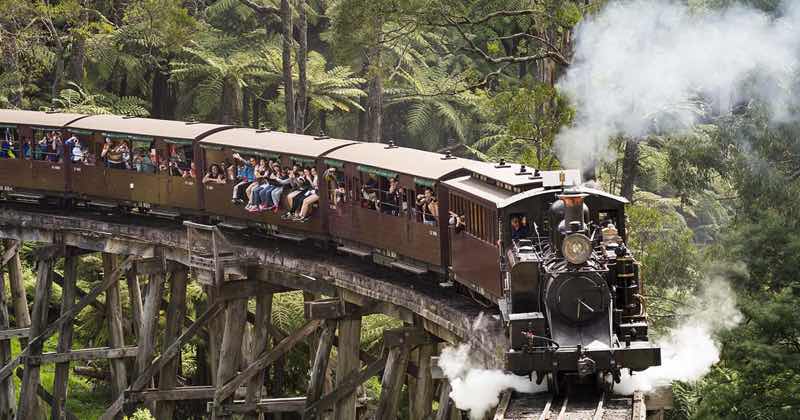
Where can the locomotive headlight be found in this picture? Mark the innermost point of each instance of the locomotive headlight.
(577, 248)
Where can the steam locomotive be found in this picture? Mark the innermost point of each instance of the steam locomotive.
(576, 313)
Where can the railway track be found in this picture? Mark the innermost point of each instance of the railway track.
(584, 406)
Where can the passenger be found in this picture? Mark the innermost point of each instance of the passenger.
(191, 172)
(214, 175)
(391, 204)
(26, 148)
(41, 147)
(301, 184)
(369, 193)
(75, 150)
(255, 200)
(7, 149)
(143, 162)
(312, 197)
(428, 206)
(106, 149)
(262, 170)
(114, 156)
(306, 185)
(245, 176)
(518, 230)
(56, 149)
(173, 169)
(69, 144)
(281, 181)
(457, 222)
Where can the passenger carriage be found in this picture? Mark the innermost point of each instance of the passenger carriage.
(30, 173)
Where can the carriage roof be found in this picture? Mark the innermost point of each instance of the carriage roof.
(146, 127)
(274, 141)
(37, 118)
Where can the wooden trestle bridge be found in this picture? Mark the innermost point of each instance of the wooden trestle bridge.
(155, 256)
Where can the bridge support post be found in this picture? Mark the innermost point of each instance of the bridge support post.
(423, 393)
(119, 376)
(19, 299)
(68, 294)
(348, 363)
(7, 394)
(230, 352)
(168, 376)
(260, 344)
(147, 331)
(319, 368)
(28, 399)
(392, 382)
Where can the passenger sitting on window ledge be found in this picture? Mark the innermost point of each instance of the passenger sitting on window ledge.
(214, 175)
(302, 184)
(245, 176)
(518, 230)
(312, 197)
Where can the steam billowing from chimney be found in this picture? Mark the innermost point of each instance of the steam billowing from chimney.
(656, 66)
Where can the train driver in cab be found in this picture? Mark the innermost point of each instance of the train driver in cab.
(519, 230)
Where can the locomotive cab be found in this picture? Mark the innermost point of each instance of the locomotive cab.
(574, 309)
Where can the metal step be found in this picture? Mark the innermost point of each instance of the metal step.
(289, 236)
(408, 267)
(354, 251)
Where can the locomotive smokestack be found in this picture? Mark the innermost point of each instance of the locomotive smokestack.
(573, 209)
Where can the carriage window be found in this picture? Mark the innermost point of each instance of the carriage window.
(518, 225)
(475, 219)
(49, 146)
(10, 146)
(180, 161)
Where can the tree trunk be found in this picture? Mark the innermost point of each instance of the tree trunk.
(245, 107)
(630, 168)
(375, 108)
(58, 73)
(230, 103)
(361, 133)
(77, 59)
(288, 89)
(375, 96)
(302, 53)
(159, 94)
(256, 111)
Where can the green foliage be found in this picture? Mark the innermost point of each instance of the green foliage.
(521, 124)
(141, 414)
(75, 99)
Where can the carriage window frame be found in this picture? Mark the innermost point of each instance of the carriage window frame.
(16, 141)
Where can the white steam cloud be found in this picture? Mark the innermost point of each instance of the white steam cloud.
(475, 388)
(642, 67)
(689, 350)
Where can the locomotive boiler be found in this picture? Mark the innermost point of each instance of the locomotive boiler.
(576, 313)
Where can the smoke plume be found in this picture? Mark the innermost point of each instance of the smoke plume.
(689, 350)
(656, 66)
(475, 388)
(474, 369)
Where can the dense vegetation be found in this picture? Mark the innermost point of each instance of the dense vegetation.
(474, 76)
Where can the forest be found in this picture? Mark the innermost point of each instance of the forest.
(714, 203)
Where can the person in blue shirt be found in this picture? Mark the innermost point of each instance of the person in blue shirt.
(519, 230)
(245, 176)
